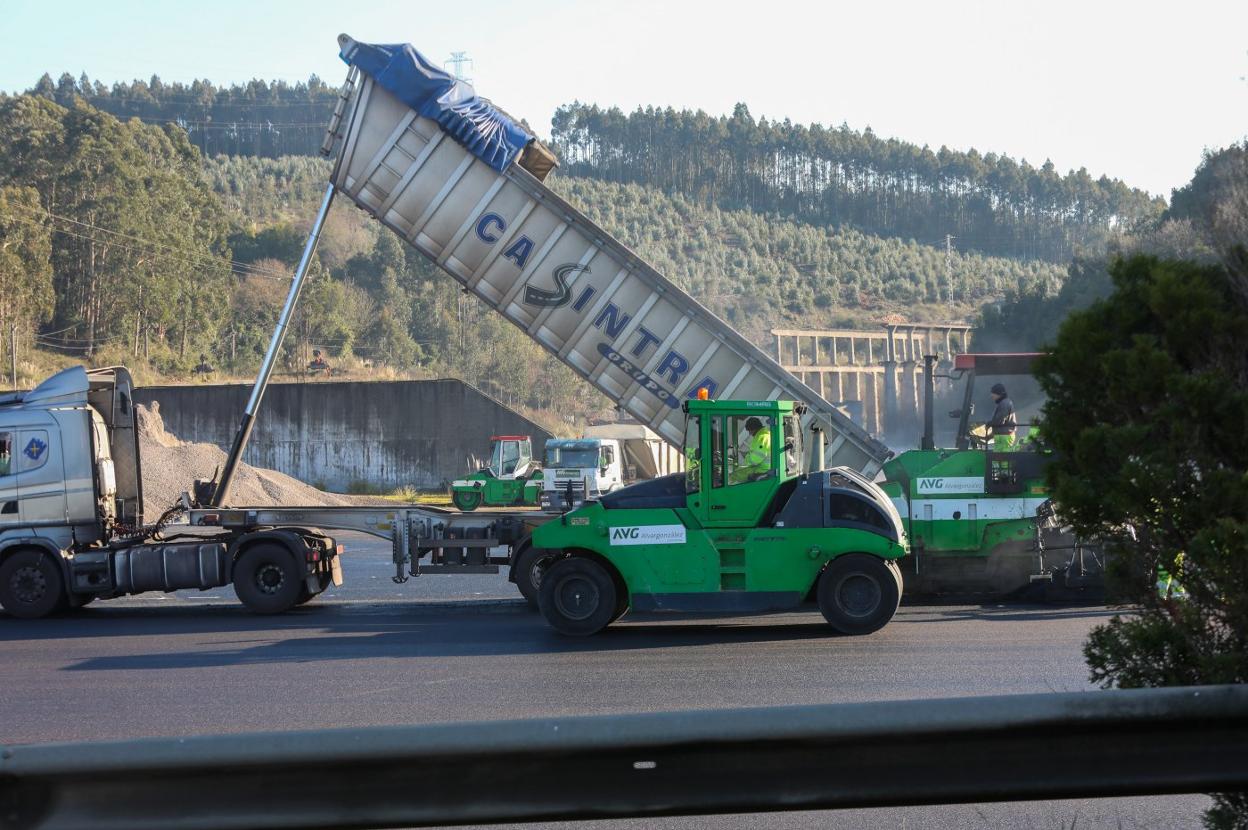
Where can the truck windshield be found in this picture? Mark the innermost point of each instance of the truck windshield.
(571, 457)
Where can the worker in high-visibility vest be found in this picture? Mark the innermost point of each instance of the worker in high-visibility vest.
(756, 460)
(1004, 422)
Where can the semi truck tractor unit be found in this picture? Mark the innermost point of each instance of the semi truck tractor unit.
(735, 533)
(71, 513)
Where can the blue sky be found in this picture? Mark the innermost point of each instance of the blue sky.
(1135, 90)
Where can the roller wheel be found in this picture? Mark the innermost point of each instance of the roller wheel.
(466, 500)
(529, 568)
(858, 593)
(578, 597)
(31, 585)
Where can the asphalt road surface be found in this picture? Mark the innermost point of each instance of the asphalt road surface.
(463, 648)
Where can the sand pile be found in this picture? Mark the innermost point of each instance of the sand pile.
(170, 466)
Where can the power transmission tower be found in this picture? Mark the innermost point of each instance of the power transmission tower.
(457, 62)
(949, 265)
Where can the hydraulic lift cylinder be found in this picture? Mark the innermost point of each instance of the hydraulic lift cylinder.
(222, 491)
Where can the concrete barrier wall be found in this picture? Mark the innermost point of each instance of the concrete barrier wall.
(332, 434)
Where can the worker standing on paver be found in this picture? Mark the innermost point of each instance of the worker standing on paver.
(756, 459)
(1004, 422)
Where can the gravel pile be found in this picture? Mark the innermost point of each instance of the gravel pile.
(171, 465)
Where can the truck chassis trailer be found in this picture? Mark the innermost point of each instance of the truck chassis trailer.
(450, 541)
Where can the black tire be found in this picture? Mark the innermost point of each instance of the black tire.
(578, 597)
(858, 593)
(31, 585)
(530, 566)
(466, 502)
(266, 579)
(621, 608)
(901, 581)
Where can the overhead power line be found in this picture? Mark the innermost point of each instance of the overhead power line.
(188, 257)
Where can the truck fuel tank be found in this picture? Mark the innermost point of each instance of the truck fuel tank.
(165, 567)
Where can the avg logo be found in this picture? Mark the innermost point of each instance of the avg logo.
(35, 449)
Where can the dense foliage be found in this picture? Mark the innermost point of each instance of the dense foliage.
(259, 118)
(1148, 398)
(759, 270)
(820, 175)
(1207, 222)
(843, 177)
(137, 245)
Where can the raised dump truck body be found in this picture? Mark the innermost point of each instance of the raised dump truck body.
(471, 206)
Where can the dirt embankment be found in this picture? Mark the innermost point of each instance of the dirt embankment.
(171, 465)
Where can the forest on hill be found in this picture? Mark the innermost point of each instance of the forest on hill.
(844, 177)
(129, 246)
(121, 241)
(1207, 222)
(755, 270)
(831, 176)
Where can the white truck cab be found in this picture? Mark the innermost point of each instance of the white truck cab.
(576, 469)
(71, 512)
(69, 460)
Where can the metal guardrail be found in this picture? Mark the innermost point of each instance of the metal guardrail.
(1020, 747)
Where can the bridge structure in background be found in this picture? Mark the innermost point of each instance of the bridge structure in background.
(874, 376)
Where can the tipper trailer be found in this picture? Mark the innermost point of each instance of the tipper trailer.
(462, 183)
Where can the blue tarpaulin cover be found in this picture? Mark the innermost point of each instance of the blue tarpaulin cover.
(472, 121)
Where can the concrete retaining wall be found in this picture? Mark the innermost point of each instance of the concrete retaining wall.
(331, 434)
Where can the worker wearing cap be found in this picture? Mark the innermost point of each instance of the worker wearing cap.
(1004, 423)
(756, 459)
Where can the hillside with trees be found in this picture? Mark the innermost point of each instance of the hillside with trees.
(259, 118)
(848, 178)
(153, 240)
(830, 176)
(1206, 223)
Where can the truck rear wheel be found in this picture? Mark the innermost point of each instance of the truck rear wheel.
(578, 597)
(31, 585)
(465, 500)
(858, 593)
(266, 579)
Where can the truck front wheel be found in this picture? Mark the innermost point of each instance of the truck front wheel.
(30, 584)
(266, 579)
(578, 597)
(858, 593)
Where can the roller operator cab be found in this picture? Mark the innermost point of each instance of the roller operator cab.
(512, 477)
(744, 529)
